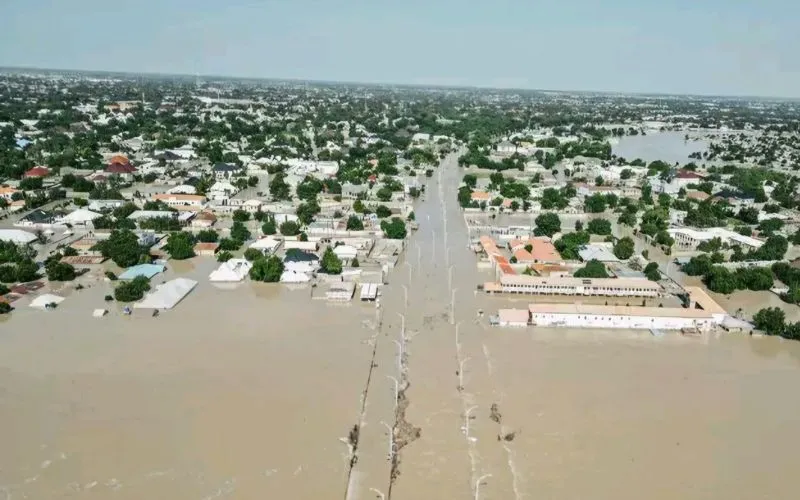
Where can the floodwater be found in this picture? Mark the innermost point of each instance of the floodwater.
(670, 147)
(251, 393)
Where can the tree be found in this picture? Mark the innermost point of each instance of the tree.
(229, 244)
(721, 280)
(470, 180)
(267, 269)
(30, 183)
(330, 263)
(278, 188)
(306, 211)
(290, 228)
(358, 206)
(60, 271)
(382, 211)
(252, 254)
(354, 223)
(241, 215)
(252, 181)
(569, 244)
(595, 203)
(593, 269)
(224, 256)
(384, 194)
(464, 196)
(665, 239)
(180, 245)
(268, 227)
(697, 266)
(598, 226)
(626, 174)
(132, 290)
(122, 246)
(627, 219)
(748, 215)
(239, 232)
(207, 236)
(651, 271)
(5, 308)
(394, 229)
(770, 320)
(624, 248)
(769, 226)
(547, 224)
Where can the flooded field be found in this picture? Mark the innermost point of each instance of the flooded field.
(254, 392)
(670, 147)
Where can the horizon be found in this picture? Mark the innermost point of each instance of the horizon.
(671, 48)
(156, 75)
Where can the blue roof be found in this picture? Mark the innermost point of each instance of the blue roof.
(146, 270)
(21, 143)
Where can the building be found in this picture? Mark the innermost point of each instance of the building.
(602, 252)
(231, 271)
(225, 170)
(345, 252)
(480, 196)
(688, 238)
(98, 205)
(369, 291)
(206, 249)
(266, 245)
(300, 261)
(290, 276)
(7, 193)
(204, 220)
(252, 206)
(181, 201)
(611, 287)
(513, 317)
(17, 236)
(37, 172)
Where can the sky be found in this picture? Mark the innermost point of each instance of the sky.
(716, 47)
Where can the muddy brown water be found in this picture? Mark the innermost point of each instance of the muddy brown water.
(250, 392)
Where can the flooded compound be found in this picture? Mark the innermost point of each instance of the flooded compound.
(260, 392)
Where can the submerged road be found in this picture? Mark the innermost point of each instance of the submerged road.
(444, 440)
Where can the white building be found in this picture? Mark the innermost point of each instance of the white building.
(291, 276)
(17, 236)
(266, 245)
(611, 287)
(231, 271)
(181, 201)
(345, 252)
(182, 189)
(690, 238)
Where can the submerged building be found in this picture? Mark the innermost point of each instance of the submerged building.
(610, 287)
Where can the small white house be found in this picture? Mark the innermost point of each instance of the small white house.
(231, 271)
(291, 276)
(345, 252)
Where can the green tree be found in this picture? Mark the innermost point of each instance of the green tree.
(239, 232)
(241, 215)
(624, 248)
(651, 271)
(132, 290)
(382, 211)
(721, 280)
(290, 228)
(547, 224)
(598, 226)
(267, 269)
(229, 244)
(771, 320)
(224, 256)
(592, 269)
(394, 229)
(354, 223)
(470, 180)
(122, 246)
(268, 227)
(384, 194)
(180, 245)
(330, 263)
(207, 236)
(252, 254)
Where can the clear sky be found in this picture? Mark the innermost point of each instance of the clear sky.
(729, 47)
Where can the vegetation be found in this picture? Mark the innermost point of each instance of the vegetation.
(330, 263)
(133, 290)
(599, 226)
(624, 248)
(547, 224)
(289, 228)
(267, 269)
(207, 236)
(394, 229)
(122, 247)
(354, 223)
(569, 244)
(592, 269)
(651, 271)
(180, 245)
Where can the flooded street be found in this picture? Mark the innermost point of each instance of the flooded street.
(252, 392)
(671, 147)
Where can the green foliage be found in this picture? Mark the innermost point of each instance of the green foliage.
(712, 245)
(133, 290)
(239, 232)
(306, 211)
(651, 271)
(697, 266)
(382, 211)
(394, 229)
(592, 269)
(595, 203)
(464, 196)
(278, 188)
(569, 244)
(354, 223)
(354, 262)
(384, 194)
(229, 244)
(748, 215)
(269, 227)
(158, 224)
(330, 263)
(290, 228)
(5, 308)
(207, 236)
(224, 256)
(267, 269)
(180, 245)
(241, 215)
(624, 248)
(60, 271)
(252, 254)
(771, 320)
(470, 180)
(598, 226)
(122, 246)
(547, 224)
(30, 183)
(769, 226)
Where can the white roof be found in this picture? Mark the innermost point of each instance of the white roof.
(597, 252)
(253, 203)
(294, 277)
(150, 214)
(17, 236)
(42, 300)
(167, 295)
(232, 270)
(266, 244)
(183, 189)
(81, 215)
(345, 250)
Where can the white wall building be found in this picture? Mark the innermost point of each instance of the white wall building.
(611, 287)
(231, 271)
(690, 238)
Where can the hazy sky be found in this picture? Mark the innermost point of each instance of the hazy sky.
(740, 47)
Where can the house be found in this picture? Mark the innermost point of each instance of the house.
(290, 276)
(597, 251)
(182, 189)
(480, 196)
(307, 246)
(231, 271)
(221, 190)
(37, 172)
(80, 217)
(688, 238)
(204, 220)
(99, 205)
(252, 206)
(300, 261)
(206, 249)
(513, 317)
(225, 170)
(181, 201)
(37, 218)
(266, 245)
(17, 236)
(345, 252)
(151, 214)
(523, 256)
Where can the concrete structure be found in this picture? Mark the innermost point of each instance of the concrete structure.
(611, 287)
(602, 252)
(513, 317)
(690, 238)
(291, 276)
(181, 201)
(167, 295)
(369, 291)
(206, 249)
(231, 271)
(345, 252)
(266, 245)
(17, 236)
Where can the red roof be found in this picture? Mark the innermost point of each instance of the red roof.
(120, 168)
(38, 172)
(688, 174)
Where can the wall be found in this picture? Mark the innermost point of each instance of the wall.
(608, 321)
